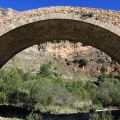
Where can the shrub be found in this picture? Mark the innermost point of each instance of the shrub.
(102, 77)
(55, 68)
(34, 116)
(104, 69)
(56, 74)
(45, 70)
(83, 62)
(68, 63)
(94, 116)
(104, 116)
(28, 76)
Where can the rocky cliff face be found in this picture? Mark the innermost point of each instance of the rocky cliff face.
(64, 49)
(70, 51)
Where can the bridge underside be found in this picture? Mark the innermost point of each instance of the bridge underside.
(25, 36)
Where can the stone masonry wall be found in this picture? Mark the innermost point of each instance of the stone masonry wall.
(98, 14)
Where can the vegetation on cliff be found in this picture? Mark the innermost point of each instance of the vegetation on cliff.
(48, 92)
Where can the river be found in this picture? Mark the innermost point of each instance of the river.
(10, 111)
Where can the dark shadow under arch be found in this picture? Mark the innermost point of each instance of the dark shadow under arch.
(27, 35)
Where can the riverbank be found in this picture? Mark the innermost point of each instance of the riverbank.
(3, 118)
(51, 109)
(15, 113)
(82, 116)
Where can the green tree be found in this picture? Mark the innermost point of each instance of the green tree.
(20, 97)
(11, 84)
(102, 77)
(45, 70)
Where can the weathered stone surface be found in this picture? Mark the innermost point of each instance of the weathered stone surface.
(98, 28)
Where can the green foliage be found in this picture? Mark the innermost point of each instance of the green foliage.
(3, 74)
(28, 76)
(103, 116)
(111, 75)
(91, 89)
(34, 116)
(49, 89)
(56, 74)
(20, 72)
(83, 62)
(20, 96)
(102, 77)
(107, 116)
(59, 81)
(77, 89)
(108, 92)
(45, 70)
(104, 69)
(55, 68)
(68, 63)
(94, 117)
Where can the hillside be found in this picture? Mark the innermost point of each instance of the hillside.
(62, 55)
(60, 82)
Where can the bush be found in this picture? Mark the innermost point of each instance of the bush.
(55, 68)
(94, 116)
(83, 62)
(68, 63)
(45, 70)
(104, 116)
(28, 76)
(34, 116)
(102, 77)
(104, 69)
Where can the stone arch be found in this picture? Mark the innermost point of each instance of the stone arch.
(23, 33)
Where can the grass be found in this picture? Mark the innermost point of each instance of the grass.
(3, 118)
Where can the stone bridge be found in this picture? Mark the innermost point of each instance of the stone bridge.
(95, 27)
